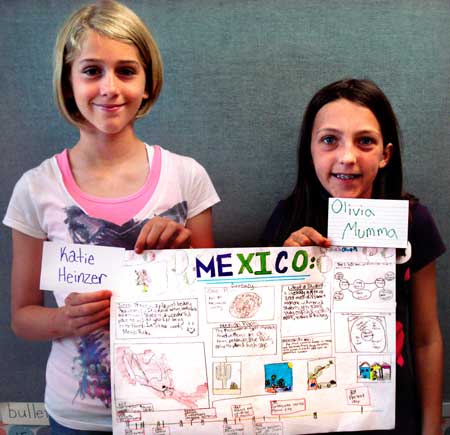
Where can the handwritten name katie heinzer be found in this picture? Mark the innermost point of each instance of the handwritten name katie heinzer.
(82, 268)
(367, 222)
(69, 259)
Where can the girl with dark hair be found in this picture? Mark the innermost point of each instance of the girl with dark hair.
(349, 147)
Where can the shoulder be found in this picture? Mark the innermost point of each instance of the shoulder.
(420, 214)
(282, 210)
(30, 196)
(37, 179)
(183, 167)
(421, 221)
(426, 241)
(185, 175)
(178, 159)
(274, 232)
(41, 173)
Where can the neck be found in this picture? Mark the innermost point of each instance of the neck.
(99, 148)
(109, 166)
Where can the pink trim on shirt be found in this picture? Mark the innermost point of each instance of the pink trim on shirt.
(116, 210)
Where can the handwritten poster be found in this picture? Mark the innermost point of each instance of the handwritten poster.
(368, 222)
(254, 341)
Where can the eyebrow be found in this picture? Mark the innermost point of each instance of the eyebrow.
(336, 130)
(120, 62)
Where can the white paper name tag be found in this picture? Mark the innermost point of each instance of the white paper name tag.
(368, 222)
(79, 268)
(25, 413)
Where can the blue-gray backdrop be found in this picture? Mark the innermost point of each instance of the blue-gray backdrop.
(238, 74)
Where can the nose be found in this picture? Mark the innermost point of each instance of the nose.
(108, 84)
(347, 155)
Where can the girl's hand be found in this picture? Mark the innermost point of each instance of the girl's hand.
(307, 236)
(163, 233)
(84, 313)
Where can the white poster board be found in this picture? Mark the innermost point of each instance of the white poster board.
(254, 341)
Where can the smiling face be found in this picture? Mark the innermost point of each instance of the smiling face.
(108, 84)
(347, 149)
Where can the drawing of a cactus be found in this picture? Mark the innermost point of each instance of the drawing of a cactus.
(223, 373)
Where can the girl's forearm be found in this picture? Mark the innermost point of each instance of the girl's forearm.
(35, 322)
(82, 314)
(428, 347)
(429, 371)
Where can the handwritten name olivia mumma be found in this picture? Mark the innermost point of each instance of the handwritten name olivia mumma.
(357, 229)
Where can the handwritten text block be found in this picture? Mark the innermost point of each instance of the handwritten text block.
(358, 396)
(238, 340)
(168, 318)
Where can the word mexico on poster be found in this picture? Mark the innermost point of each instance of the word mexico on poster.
(254, 341)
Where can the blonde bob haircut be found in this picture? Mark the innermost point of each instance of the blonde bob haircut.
(112, 20)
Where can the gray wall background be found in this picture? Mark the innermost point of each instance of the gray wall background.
(238, 74)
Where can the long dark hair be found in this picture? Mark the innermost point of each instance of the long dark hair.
(308, 203)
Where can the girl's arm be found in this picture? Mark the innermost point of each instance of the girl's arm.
(82, 314)
(428, 348)
(201, 227)
(164, 233)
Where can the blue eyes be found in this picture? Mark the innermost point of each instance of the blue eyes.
(93, 71)
(363, 141)
(366, 140)
(329, 140)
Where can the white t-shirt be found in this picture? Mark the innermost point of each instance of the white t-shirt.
(78, 390)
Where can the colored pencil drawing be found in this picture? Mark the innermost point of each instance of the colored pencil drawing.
(374, 368)
(227, 378)
(155, 374)
(278, 377)
(321, 374)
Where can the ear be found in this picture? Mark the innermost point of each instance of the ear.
(146, 94)
(387, 154)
